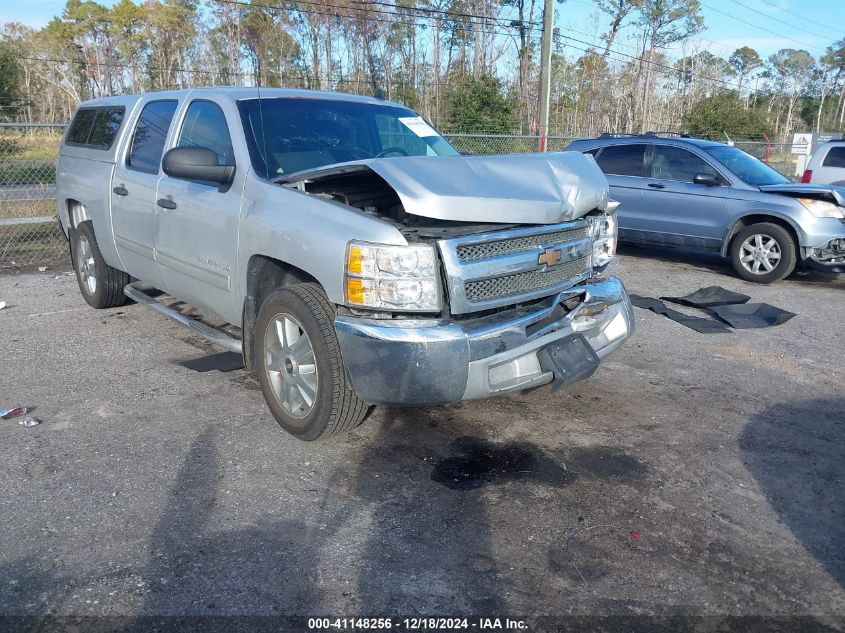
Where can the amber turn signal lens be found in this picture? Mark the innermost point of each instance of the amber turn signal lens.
(355, 290)
(355, 264)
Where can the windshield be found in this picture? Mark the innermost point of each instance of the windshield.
(287, 135)
(750, 170)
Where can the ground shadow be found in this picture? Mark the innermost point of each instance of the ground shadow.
(198, 567)
(796, 453)
(430, 548)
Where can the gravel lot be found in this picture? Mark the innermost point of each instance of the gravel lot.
(692, 474)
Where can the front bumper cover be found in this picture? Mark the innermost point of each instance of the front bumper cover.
(416, 361)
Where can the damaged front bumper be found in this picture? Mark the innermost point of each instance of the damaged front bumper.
(416, 361)
(823, 245)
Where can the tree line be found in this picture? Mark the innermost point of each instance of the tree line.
(467, 65)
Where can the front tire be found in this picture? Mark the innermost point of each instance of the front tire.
(299, 364)
(763, 253)
(101, 285)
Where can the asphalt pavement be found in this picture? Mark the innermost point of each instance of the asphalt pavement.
(693, 474)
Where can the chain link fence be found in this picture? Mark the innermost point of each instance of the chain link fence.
(29, 233)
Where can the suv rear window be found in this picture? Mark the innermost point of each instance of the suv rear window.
(622, 160)
(95, 128)
(835, 157)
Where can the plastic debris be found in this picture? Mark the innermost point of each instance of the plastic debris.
(710, 296)
(752, 315)
(2, 304)
(42, 269)
(27, 422)
(8, 414)
(635, 535)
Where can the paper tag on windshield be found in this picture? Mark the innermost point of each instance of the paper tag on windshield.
(418, 126)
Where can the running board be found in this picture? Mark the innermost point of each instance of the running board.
(206, 331)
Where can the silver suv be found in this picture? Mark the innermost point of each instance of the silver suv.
(708, 196)
(827, 165)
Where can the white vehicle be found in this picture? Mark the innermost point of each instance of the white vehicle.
(827, 165)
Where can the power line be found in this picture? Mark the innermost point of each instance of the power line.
(798, 15)
(761, 28)
(360, 17)
(792, 26)
(398, 11)
(669, 69)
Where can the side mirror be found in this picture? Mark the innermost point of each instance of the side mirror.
(708, 180)
(197, 163)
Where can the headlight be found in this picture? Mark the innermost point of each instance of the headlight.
(821, 208)
(605, 231)
(400, 278)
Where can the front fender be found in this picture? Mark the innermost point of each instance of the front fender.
(304, 231)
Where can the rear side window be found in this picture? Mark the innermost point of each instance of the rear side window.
(622, 160)
(150, 135)
(835, 157)
(95, 128)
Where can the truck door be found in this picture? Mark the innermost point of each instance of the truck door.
(197, 237)
(133, 194)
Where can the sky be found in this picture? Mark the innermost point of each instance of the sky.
(765, 25)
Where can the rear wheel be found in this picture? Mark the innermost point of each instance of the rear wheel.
(763, 253)
(101, 285)
(299, 364)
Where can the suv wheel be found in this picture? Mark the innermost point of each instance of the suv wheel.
(299, 365)
(101, 285)
(763, 253)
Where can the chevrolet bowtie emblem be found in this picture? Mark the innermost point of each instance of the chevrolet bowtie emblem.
(549, 257)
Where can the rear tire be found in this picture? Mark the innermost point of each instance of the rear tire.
(763, 253)
(300, 367)
(101, 285)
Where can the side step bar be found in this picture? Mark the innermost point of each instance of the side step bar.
(134, 292)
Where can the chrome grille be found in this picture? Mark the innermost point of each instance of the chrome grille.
(509, 285)
(500, 268)
(498, 248)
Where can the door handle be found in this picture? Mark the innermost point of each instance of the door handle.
(656, 185)
(166, 203)
(121, 191)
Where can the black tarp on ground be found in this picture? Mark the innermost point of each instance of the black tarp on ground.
(709, 296)
(751, 315)
(699, 324)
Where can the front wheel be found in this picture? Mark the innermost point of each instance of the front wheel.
(299, 364)
(101, 285)
(763, 253)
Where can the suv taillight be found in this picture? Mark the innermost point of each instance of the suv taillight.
(808, 175)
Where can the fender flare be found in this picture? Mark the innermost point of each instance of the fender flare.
(758, 216)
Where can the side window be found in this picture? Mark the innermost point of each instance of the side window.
(676, 163)
(81, 126)
(105, 127)
(205, 126)
(593, 152)
(95, 128)
(150, 134)
(835, 157)
(622, 160)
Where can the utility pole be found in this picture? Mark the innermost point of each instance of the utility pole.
(546, 70)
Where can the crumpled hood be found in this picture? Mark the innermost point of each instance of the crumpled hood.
(516, 189)
(837, 194)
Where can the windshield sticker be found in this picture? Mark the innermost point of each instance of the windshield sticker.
(418, 126)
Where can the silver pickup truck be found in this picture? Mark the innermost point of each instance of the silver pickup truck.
(354, 256)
